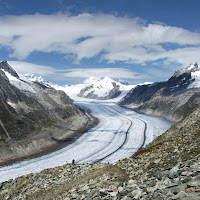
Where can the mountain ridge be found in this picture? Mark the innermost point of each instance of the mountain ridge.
(31, 114)
(102, 88)
(168, 97)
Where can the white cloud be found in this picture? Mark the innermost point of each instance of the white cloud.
(115, 73)
(73, 75)
(25, 67)
(123, 39)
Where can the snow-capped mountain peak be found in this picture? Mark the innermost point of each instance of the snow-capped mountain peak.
(188, 69)
(188, 77)
(103, 88)
(123, 82)
(195, 76)
(94, 80)
(14, 78)
(100, 88)
(193, 67)
(37, 79)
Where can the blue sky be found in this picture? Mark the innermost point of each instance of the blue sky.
(67, 41)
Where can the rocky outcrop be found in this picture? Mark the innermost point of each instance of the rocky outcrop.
(114, 92)
(167, 168)
(32, 117)
(5, 66)
(172, 99)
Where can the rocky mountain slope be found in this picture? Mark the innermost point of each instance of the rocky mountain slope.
(167, 168)
(33, 116)
(173, 99)
(101, 88)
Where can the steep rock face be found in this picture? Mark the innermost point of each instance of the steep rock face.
(172, 99)
(31, 114)
(5, 66)
(12, 114)
(115, 92)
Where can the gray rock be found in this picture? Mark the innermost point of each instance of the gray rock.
(66, 198)
(74, 195)
(113, 194)
(136, 193)
(120, 189)
(142, 186)
(184, 173)
(151, 189)
(8, 197)
(180, 195)
(174, 174)
(159, 175)
(193, 183)
(126, 198)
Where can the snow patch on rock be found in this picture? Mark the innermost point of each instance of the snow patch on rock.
(37, 79)
(100, 87)
(20, 84)
(13, 105)
(196, 76)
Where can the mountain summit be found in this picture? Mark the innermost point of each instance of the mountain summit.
(102, 88)
(38, 80)
(6, 67)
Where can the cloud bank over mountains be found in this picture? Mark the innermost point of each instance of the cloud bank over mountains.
(114, 39)
(73, 75)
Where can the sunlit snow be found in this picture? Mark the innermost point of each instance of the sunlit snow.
(13, 105)
(196, 82)
(21, 85)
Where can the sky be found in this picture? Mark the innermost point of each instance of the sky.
(66, 41)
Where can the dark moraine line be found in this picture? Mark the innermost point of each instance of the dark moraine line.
(126, 136)
(145, 129)
(95, 152)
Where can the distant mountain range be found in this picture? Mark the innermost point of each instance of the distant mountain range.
(173, 99)
(97, 88)
(101, 89)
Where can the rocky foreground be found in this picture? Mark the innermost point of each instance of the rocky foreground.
(168, 168)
